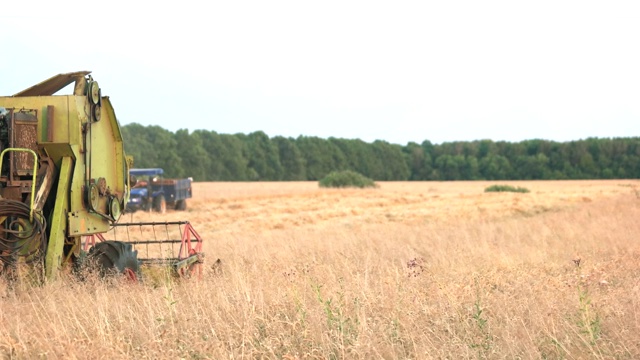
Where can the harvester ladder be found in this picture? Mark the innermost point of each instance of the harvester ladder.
(35, 173)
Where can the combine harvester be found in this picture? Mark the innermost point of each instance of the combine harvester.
(64, 178)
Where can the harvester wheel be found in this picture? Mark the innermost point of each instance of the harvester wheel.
(116, 257)
(181, 205)
(160, 204)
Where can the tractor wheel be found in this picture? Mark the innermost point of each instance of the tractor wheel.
(160, 204)
(181, 205)
(115, 257)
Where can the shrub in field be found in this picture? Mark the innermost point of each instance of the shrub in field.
(507, 188)
(346, 178)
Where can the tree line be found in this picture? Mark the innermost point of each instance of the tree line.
(209, 156)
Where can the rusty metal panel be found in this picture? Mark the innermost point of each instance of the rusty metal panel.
(11, 192)
(25, 135)
(52, 85)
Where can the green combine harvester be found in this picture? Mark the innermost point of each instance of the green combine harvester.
(64, 181)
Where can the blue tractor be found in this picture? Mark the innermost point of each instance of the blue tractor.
(152, 192)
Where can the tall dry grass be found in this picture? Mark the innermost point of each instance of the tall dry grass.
(406, 271)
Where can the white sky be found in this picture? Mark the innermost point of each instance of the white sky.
(390, 70)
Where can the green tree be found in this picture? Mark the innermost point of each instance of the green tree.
(291, 159)
(471, 169)
(357, 154)
(450, 167)
(264, 159)
(152, 146)
(194, 157)
(321, 156)
(391, 159)
(487, 148)
(233, 155)
(532, 167)
(418, 161)
(495, 167)
(214, 147)
(137, 145)
(588, 166)
(206, 155)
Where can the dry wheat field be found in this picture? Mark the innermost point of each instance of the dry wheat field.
(426, 270)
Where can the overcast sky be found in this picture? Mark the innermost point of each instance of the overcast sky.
(375, 70)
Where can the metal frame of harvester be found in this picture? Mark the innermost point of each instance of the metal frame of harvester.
(187, 259)
(64, 177)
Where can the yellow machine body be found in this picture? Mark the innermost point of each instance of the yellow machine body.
(78, 184)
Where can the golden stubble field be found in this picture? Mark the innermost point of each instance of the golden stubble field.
(426, 270)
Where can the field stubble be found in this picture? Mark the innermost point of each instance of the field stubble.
(406, 271)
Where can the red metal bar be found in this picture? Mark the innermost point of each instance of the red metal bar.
(90, 240)
(186, 248)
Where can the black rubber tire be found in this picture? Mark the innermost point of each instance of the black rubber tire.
(160, 204)
(115, 257)
(181, 205)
